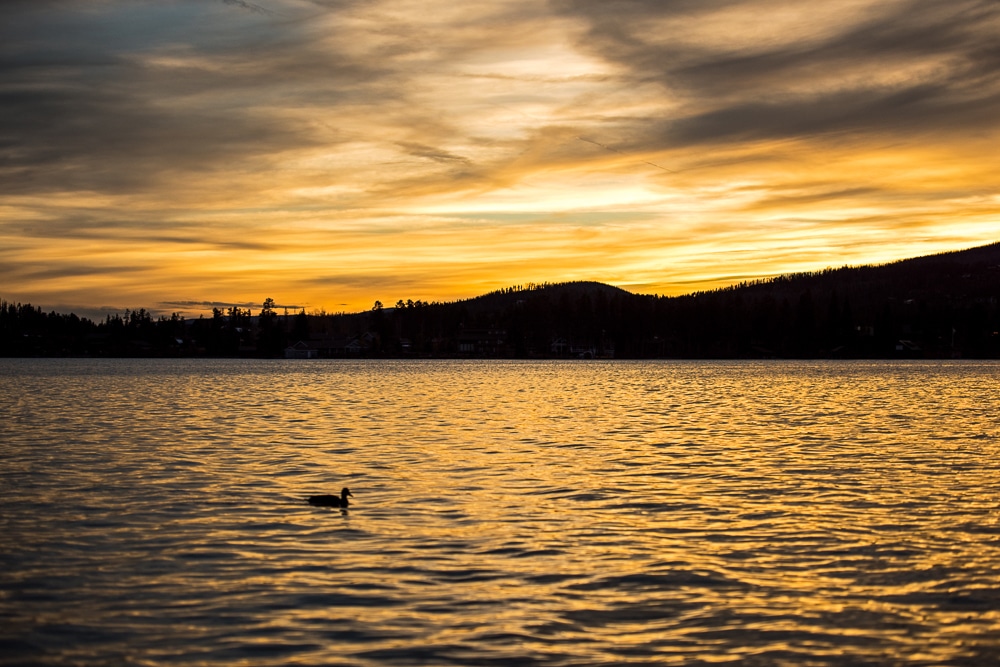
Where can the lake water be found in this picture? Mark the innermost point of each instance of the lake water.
(505, 513)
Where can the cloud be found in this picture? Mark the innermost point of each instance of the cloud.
(764, 71)
(114, 115)
(430, 153)
(249, 6)
(337, 151)
(222, 305)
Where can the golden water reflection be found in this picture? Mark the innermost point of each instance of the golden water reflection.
(526, 513)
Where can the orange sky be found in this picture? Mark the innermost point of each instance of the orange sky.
(328, 153)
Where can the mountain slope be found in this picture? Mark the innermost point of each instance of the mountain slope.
(937, 306)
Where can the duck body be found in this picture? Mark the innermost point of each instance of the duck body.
(330, 500)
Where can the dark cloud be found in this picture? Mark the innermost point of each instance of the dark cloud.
(202, 305)
(71, 269)
(849, 111)
(155, 228)
(210, 304)
(117, 114)
(904, 67)
(249, 6)
(115, 97)
(431, 153)
(125, 98)
(65, 140)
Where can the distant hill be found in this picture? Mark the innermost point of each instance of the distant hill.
(939, 306)
(501, 299)
(973, 269)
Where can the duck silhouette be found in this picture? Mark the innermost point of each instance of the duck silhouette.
(329, 500)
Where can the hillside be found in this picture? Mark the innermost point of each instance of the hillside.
(496, 301)
(936, 306)
(939, 306)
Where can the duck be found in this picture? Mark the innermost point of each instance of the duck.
(329, 500)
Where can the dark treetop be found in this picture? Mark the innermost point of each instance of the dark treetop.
(941, 306)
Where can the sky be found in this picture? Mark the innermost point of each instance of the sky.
(190, 154)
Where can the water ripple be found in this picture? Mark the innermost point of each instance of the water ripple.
(536, 513)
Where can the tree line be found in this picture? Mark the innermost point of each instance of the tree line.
(936, 307)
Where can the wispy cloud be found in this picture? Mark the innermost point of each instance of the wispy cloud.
(339, 151)
(249, 6)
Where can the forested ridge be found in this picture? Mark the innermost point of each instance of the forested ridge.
(940, 306)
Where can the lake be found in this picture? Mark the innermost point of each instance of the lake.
(505, 513)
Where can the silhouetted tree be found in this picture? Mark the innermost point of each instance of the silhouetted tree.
(301, 326)
(270, 337)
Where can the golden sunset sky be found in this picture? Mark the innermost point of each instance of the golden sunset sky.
(176, 155)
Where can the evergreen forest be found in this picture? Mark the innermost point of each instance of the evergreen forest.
(940, 306)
